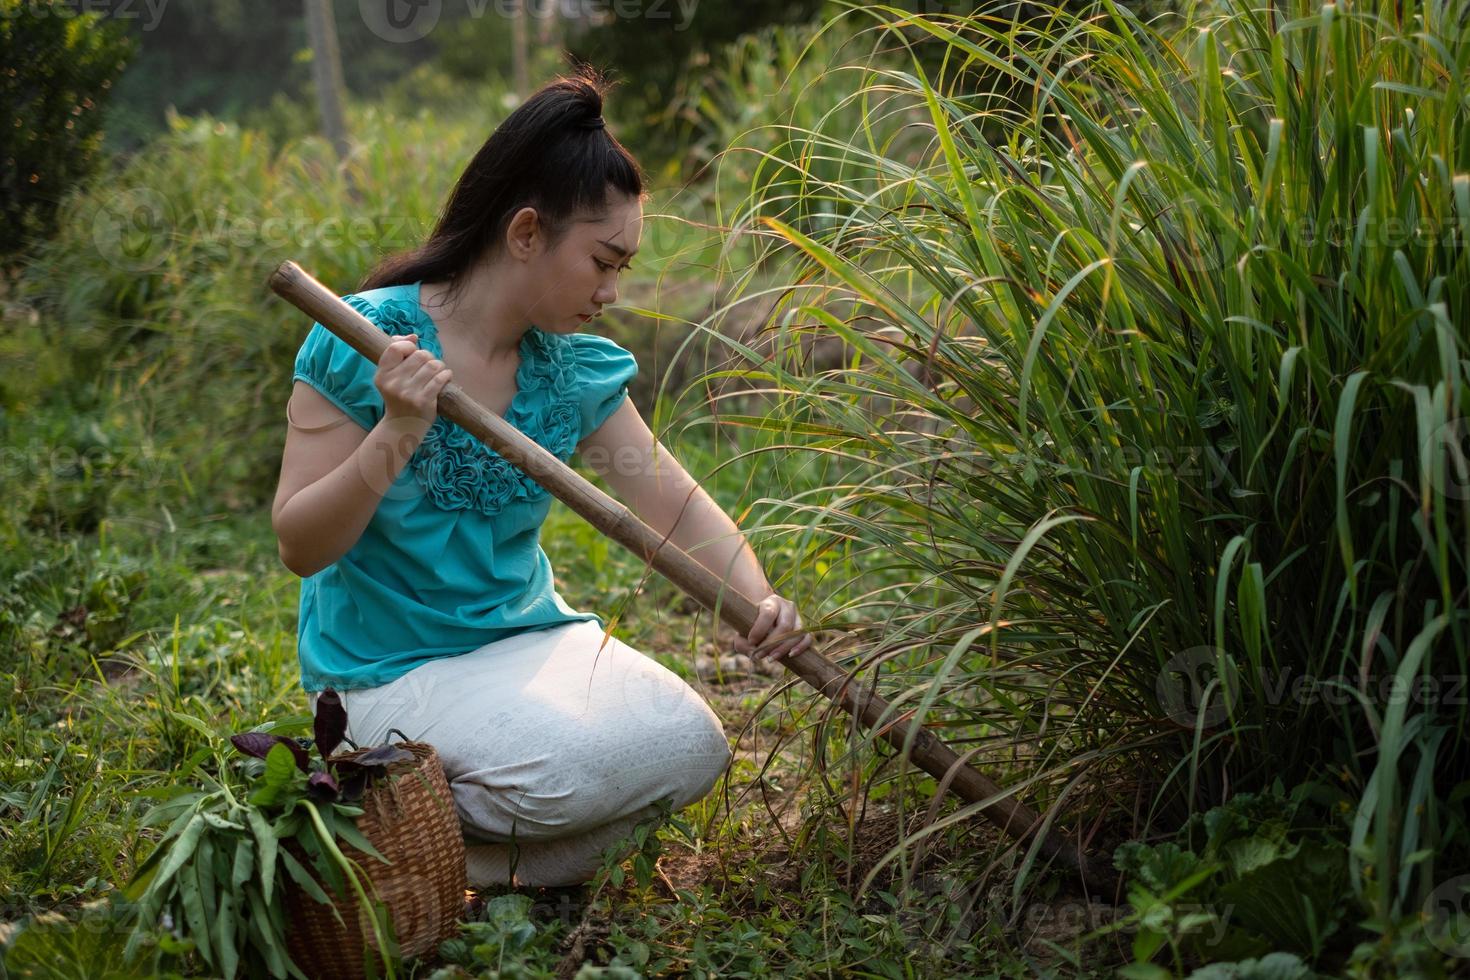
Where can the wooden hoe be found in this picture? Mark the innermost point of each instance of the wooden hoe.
(1016, 819)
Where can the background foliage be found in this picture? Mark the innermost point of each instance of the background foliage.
(58, 72)
(1095, 381)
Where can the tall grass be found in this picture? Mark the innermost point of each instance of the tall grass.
(1157, 356)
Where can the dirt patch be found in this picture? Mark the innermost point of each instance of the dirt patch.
(684, 869)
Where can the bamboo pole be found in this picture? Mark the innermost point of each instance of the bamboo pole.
(1016, 819)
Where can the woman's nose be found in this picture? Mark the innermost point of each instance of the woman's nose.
(606, 294)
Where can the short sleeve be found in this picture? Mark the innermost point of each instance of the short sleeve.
(603, 372)
(342, 375)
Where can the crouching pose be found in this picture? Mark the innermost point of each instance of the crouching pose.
(426, 598)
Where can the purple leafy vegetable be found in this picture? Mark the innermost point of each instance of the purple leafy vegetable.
(384, 755)
(356, 774)
(354, 783)
(258, 744)
(330, 726)
(321, 787)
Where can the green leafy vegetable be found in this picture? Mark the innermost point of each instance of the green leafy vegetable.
(210, 885)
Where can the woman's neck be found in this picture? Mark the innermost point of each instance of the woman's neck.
(481, 313)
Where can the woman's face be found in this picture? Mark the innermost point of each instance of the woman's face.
(570, 283)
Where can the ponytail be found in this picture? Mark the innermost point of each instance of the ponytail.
(553, 153)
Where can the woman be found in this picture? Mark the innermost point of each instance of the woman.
(426, 599)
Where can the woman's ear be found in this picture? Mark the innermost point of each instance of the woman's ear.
(523, 235)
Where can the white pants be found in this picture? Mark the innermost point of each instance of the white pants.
(555, 745)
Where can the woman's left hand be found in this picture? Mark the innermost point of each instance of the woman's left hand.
(774, 616)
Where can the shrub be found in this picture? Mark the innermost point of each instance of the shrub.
(1163, 397)
(58, 68)
(156, 280)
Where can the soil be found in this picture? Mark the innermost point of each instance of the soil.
(774, 795)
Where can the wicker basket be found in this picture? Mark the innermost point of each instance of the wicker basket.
(409, 816)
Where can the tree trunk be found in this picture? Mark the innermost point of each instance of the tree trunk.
(546, 28)
(326, 69)
(520, 73)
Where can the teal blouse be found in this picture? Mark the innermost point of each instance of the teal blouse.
(451, 559)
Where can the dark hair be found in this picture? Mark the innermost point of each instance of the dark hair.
(552, 153)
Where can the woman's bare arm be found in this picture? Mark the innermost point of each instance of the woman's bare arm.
(647, 478)
(334, 473)
(333, 476)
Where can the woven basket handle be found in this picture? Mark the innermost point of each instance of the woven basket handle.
(446, 804)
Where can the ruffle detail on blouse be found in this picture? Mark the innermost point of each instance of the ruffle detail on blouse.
(456, 470)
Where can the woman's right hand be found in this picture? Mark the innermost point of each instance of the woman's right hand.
(410, 378)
